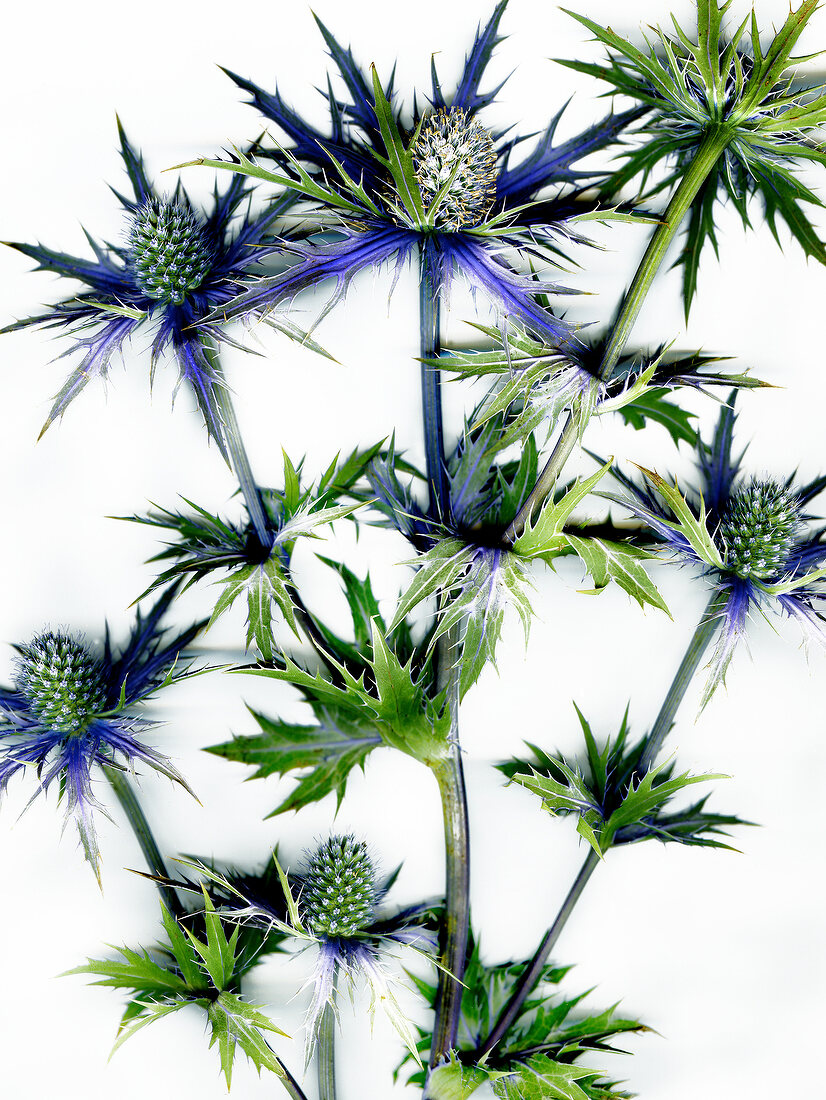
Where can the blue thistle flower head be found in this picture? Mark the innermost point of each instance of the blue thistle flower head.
(336, 909)
(74, 707)
(176, 267)
(169, 250)
(752, 539)
(339, 893)
(448, 186)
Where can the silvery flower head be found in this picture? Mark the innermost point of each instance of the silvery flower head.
(447, 187)
(752, 538)
(175, 266)
(75, 706)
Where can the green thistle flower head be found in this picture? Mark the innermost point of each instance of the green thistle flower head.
(64, 683)
(758, 530)
(339, 891)
(456, 151)
(169, 250)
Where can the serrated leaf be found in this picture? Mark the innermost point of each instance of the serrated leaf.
(542, 536)
(613, 561)
(455, 1081)
(654, 406)
(234, 1022)
(330, 750)
(692, 527)
(263, 584)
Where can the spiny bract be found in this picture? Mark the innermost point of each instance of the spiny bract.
(169, 250)
(339, 888)
(63, 682)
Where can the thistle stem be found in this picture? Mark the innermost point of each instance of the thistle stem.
(429, 348)
(451, 779)
(291, 1085)
(711, 148)
(529, 978)
(706, 628)
(241, 467)
(326, 1056)
(143, 834)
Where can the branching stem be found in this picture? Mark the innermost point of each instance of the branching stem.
(128, 800)
(711, 149)
(700, 640)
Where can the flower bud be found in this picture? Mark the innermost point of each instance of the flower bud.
(169, 250)
(452, 149)
(339, 890)
(64, 683)
(758, 530)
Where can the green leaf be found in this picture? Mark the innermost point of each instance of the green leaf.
(542, 536)
(542, 1078)
(329, 750)
(620, 562)
(646, 796)
(455, 1081)
(399, 161)
(234, 1022)
(692, 527)
(264, 584)
(217, 952)
(654, 406)
(407, 721)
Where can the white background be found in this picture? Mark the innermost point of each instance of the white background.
(721, 953)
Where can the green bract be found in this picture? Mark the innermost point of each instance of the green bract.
(726, 109)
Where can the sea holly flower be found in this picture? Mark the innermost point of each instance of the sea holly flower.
(533, 383)
(205, 545)
(752, 538)
(612, 801)
(726, 109)
(462, 560)
(548, 1038)
(448, 189)
(75, 706)
(175, 267)
(186, 970)
(333, 905)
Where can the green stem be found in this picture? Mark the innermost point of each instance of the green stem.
(241, 467)
(700, 640)
(711, 148)
(450, 777)
(429, 347)
(706, 629)
(449, 772)
(530, 976)
(326, 1056)
(143, 834)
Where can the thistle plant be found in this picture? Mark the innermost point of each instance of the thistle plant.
(372, 606)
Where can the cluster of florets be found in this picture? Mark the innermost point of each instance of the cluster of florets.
(339, 892)
(63, 682)
(456, 151)
(169, 250)
(758, 530)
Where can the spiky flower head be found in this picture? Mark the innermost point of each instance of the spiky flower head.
(758, 530)
(63, 682)
(339, 892)
(455, 151)
(169, 250)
